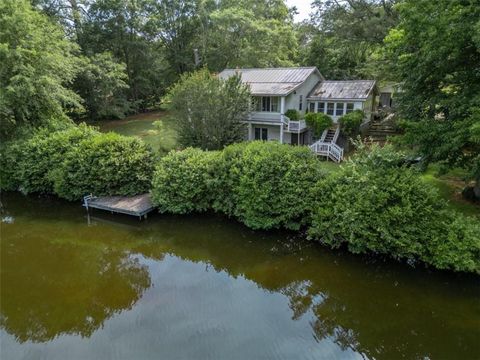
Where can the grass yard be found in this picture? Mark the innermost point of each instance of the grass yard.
(155, 128)
(450, 187)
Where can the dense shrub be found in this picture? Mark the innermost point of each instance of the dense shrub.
(350, 123)
(385, 208)
(275, 183)
(264, 184)
(318, 122)
(292, 114)
(106, 164)
(27, 161)
(182, 181)
(227, 179)
(44, 152)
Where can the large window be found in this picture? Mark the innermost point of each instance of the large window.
(267, 104)
(261, 134)
(311, 107)
(330, 108)
(339, 109)
(349, 107)
(321, 107)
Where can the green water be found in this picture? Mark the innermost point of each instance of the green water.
(205, 287)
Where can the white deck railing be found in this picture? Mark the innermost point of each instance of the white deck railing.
(328, 149)
(296, 125)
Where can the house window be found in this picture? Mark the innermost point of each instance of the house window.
(261, 134)
(330, 108)
(349, 107)
(300, 103)
(321, 107)
(267, 104)
(339, 109)
(312, 107)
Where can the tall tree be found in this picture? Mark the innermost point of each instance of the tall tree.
(435, 53)
(37, 68)
(119, 27)
(209, 111)
(250, 33)
(343, 37)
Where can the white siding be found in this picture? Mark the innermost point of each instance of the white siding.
(273, 133)
(292, 100)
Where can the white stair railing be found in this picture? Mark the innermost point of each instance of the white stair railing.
(328, 149)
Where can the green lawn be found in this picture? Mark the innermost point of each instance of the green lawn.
(155, 128)
(450, 187)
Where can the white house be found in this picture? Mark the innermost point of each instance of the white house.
(276, 90)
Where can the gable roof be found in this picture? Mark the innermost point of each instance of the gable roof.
(272, 81)
(342, 90)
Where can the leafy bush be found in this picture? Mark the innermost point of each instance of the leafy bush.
(385, 208)
(182, 181)
(350, 123)
(10, 156)
(28, 161)
(274, 185)
(44, 152)
(292, 114)
(318, 122)
(105, 164)
(263, 184)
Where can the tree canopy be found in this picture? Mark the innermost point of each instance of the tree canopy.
(436, 58)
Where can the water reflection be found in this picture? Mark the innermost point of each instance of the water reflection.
(205, 287)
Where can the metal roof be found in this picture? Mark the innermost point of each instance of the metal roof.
(342, 90)
(272, 81)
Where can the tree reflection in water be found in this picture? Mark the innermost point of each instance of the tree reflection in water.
(65, 287)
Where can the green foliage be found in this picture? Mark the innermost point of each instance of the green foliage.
(274, 185)
(106, 164)
(182, 181)
(249, 33)
(43, 153)
(441, 106)
(375, 204)
(292, 114)
(344, 38)
(10, 156)
(209, 111)
(122, 28)
(102, 83)
(318, 122)
(263, 184)
(37, 65)
(350, 123)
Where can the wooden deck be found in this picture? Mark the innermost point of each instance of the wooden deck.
(138, 205)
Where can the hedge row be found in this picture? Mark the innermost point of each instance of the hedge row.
(264, 185)
(76, 161)
(374, 204)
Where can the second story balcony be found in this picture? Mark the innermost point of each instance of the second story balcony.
(275, 118)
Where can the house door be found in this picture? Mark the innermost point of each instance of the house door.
(261, 133)
(293, 139)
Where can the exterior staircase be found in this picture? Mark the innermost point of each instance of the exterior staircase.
(379, 130)
(327, 146)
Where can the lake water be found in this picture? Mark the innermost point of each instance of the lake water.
(205, 287)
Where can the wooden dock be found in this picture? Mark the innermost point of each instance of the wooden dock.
(138, 205)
